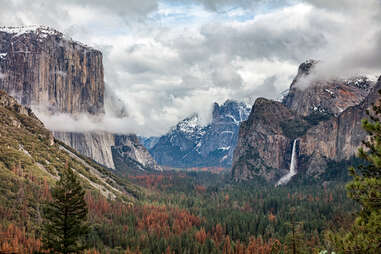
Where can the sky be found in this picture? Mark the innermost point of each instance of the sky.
(166, 59)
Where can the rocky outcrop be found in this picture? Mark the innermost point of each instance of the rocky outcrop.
(94, 145)
(130, 157)
(309, 95)
(263, 146)
(10, 103)
(339, 137)
(265, 139)
(189, 144)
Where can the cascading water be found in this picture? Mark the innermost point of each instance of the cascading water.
(294, 161)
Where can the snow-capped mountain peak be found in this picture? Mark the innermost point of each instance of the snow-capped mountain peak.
(192, 144)
(190, 124)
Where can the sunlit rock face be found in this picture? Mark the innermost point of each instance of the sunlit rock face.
(324, 117)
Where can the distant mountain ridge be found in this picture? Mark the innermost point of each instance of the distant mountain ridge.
(190, 144)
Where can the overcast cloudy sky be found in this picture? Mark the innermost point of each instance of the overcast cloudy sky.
(167, 59)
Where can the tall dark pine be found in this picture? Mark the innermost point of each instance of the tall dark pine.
(65, 216)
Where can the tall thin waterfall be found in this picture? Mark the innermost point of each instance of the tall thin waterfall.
(293, 166)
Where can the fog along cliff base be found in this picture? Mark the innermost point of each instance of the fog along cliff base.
(54, 74)
(282, 167)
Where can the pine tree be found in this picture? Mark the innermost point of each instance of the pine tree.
(65, 216)
(365, 188)
(295, 238)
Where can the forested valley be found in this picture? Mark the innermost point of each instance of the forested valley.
(195, 212)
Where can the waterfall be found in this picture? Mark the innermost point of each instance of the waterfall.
(293, 166)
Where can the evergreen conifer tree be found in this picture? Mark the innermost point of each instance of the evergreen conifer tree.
(65, 216)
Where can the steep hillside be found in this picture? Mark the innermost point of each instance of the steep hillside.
(189, 144)
(149, 142)
(327, 128)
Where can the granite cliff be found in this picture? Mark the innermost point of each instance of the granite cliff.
(45, 70)
(39, 66)
(308, 95)
(96, 145)
(324, 116)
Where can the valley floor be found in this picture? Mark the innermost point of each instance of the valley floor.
(188, 212)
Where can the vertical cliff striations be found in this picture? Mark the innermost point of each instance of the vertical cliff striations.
(42, 68)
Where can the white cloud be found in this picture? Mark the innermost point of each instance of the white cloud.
(167, 59)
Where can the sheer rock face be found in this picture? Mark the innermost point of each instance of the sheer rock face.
(263, 146)
(43, 69)
(96, 145)
(265, 139)
(40, 67)
(93, 145)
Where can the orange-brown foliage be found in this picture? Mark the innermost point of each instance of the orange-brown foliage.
(200, 188)
(258, 246)
(271, 217)
(15, 240)
(201, 236)
(164, 221)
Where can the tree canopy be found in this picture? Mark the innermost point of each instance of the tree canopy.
(65, 216)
